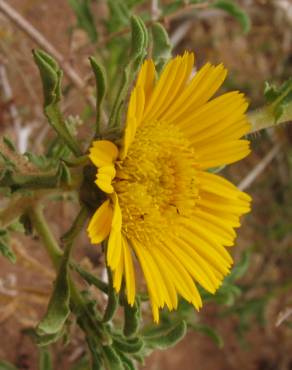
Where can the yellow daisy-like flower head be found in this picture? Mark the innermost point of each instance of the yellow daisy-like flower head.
(163, 206)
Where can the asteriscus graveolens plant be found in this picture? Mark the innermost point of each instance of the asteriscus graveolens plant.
(163, 206)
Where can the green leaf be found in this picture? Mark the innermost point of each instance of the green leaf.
(58, 309)
(138, 36)
(91, 279)
(132, 3)
(132, 318)
(51, 76)
(165, 335)
(5, 249)
(128, 345)
(139, 42)
(85, 17)
(127, 363)
(240, 268)
(118, 15)
(45, 360)
(100, 80)
(210, 332)
(4, 365)
(112, 359)
(278, 98)
(236, 11)
(9, 143)
(161, 51)
(113, 299)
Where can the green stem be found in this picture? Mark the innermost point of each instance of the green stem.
(264, 117)
(43, 230)
(55, 253)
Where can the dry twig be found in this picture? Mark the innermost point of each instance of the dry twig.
(259, 168)
(40, 40)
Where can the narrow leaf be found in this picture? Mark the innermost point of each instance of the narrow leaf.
(45, 361)
(85, 17)
(100, 80)
(113, 300)
(132, 317)
(112, 359)
(51, 76)
(161, 51)
(58, 309)
(165, 336)
(236, 11)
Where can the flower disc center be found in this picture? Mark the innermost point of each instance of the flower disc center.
(156, 182)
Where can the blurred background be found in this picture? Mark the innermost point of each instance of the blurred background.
(248, 324)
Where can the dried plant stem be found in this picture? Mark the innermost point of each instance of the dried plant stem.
(41, 41)
(259, 168)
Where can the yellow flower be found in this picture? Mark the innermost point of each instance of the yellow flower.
(163, 205)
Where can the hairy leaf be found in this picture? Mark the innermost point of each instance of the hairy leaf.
(85, 17)
(236, 11)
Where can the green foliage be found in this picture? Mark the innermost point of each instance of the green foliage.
(165, 335)
(45, 359)
(5, 248)
(101, 85)
(85, 17)
(4, 365)
(113, 299)
(161, 51)
(91, 279)
(132, 317)
(119, 15)
(232, 8)
(278, 98)
(58, 309)
(139, 43)
(51, 76)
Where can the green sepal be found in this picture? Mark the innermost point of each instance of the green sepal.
(236, 11)
(101, 85)
(51, 76)
(45, 359)
(161, 50)
(112, 359)
(85, 17)
(113, 299)
(132, 318)
(58, 308)
(128, 345)
(165, 335)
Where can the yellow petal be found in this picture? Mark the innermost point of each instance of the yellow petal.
(100, 224)
(203, 85)
(104, 179)
(114, 247)
(129, 272)
(103, 153)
